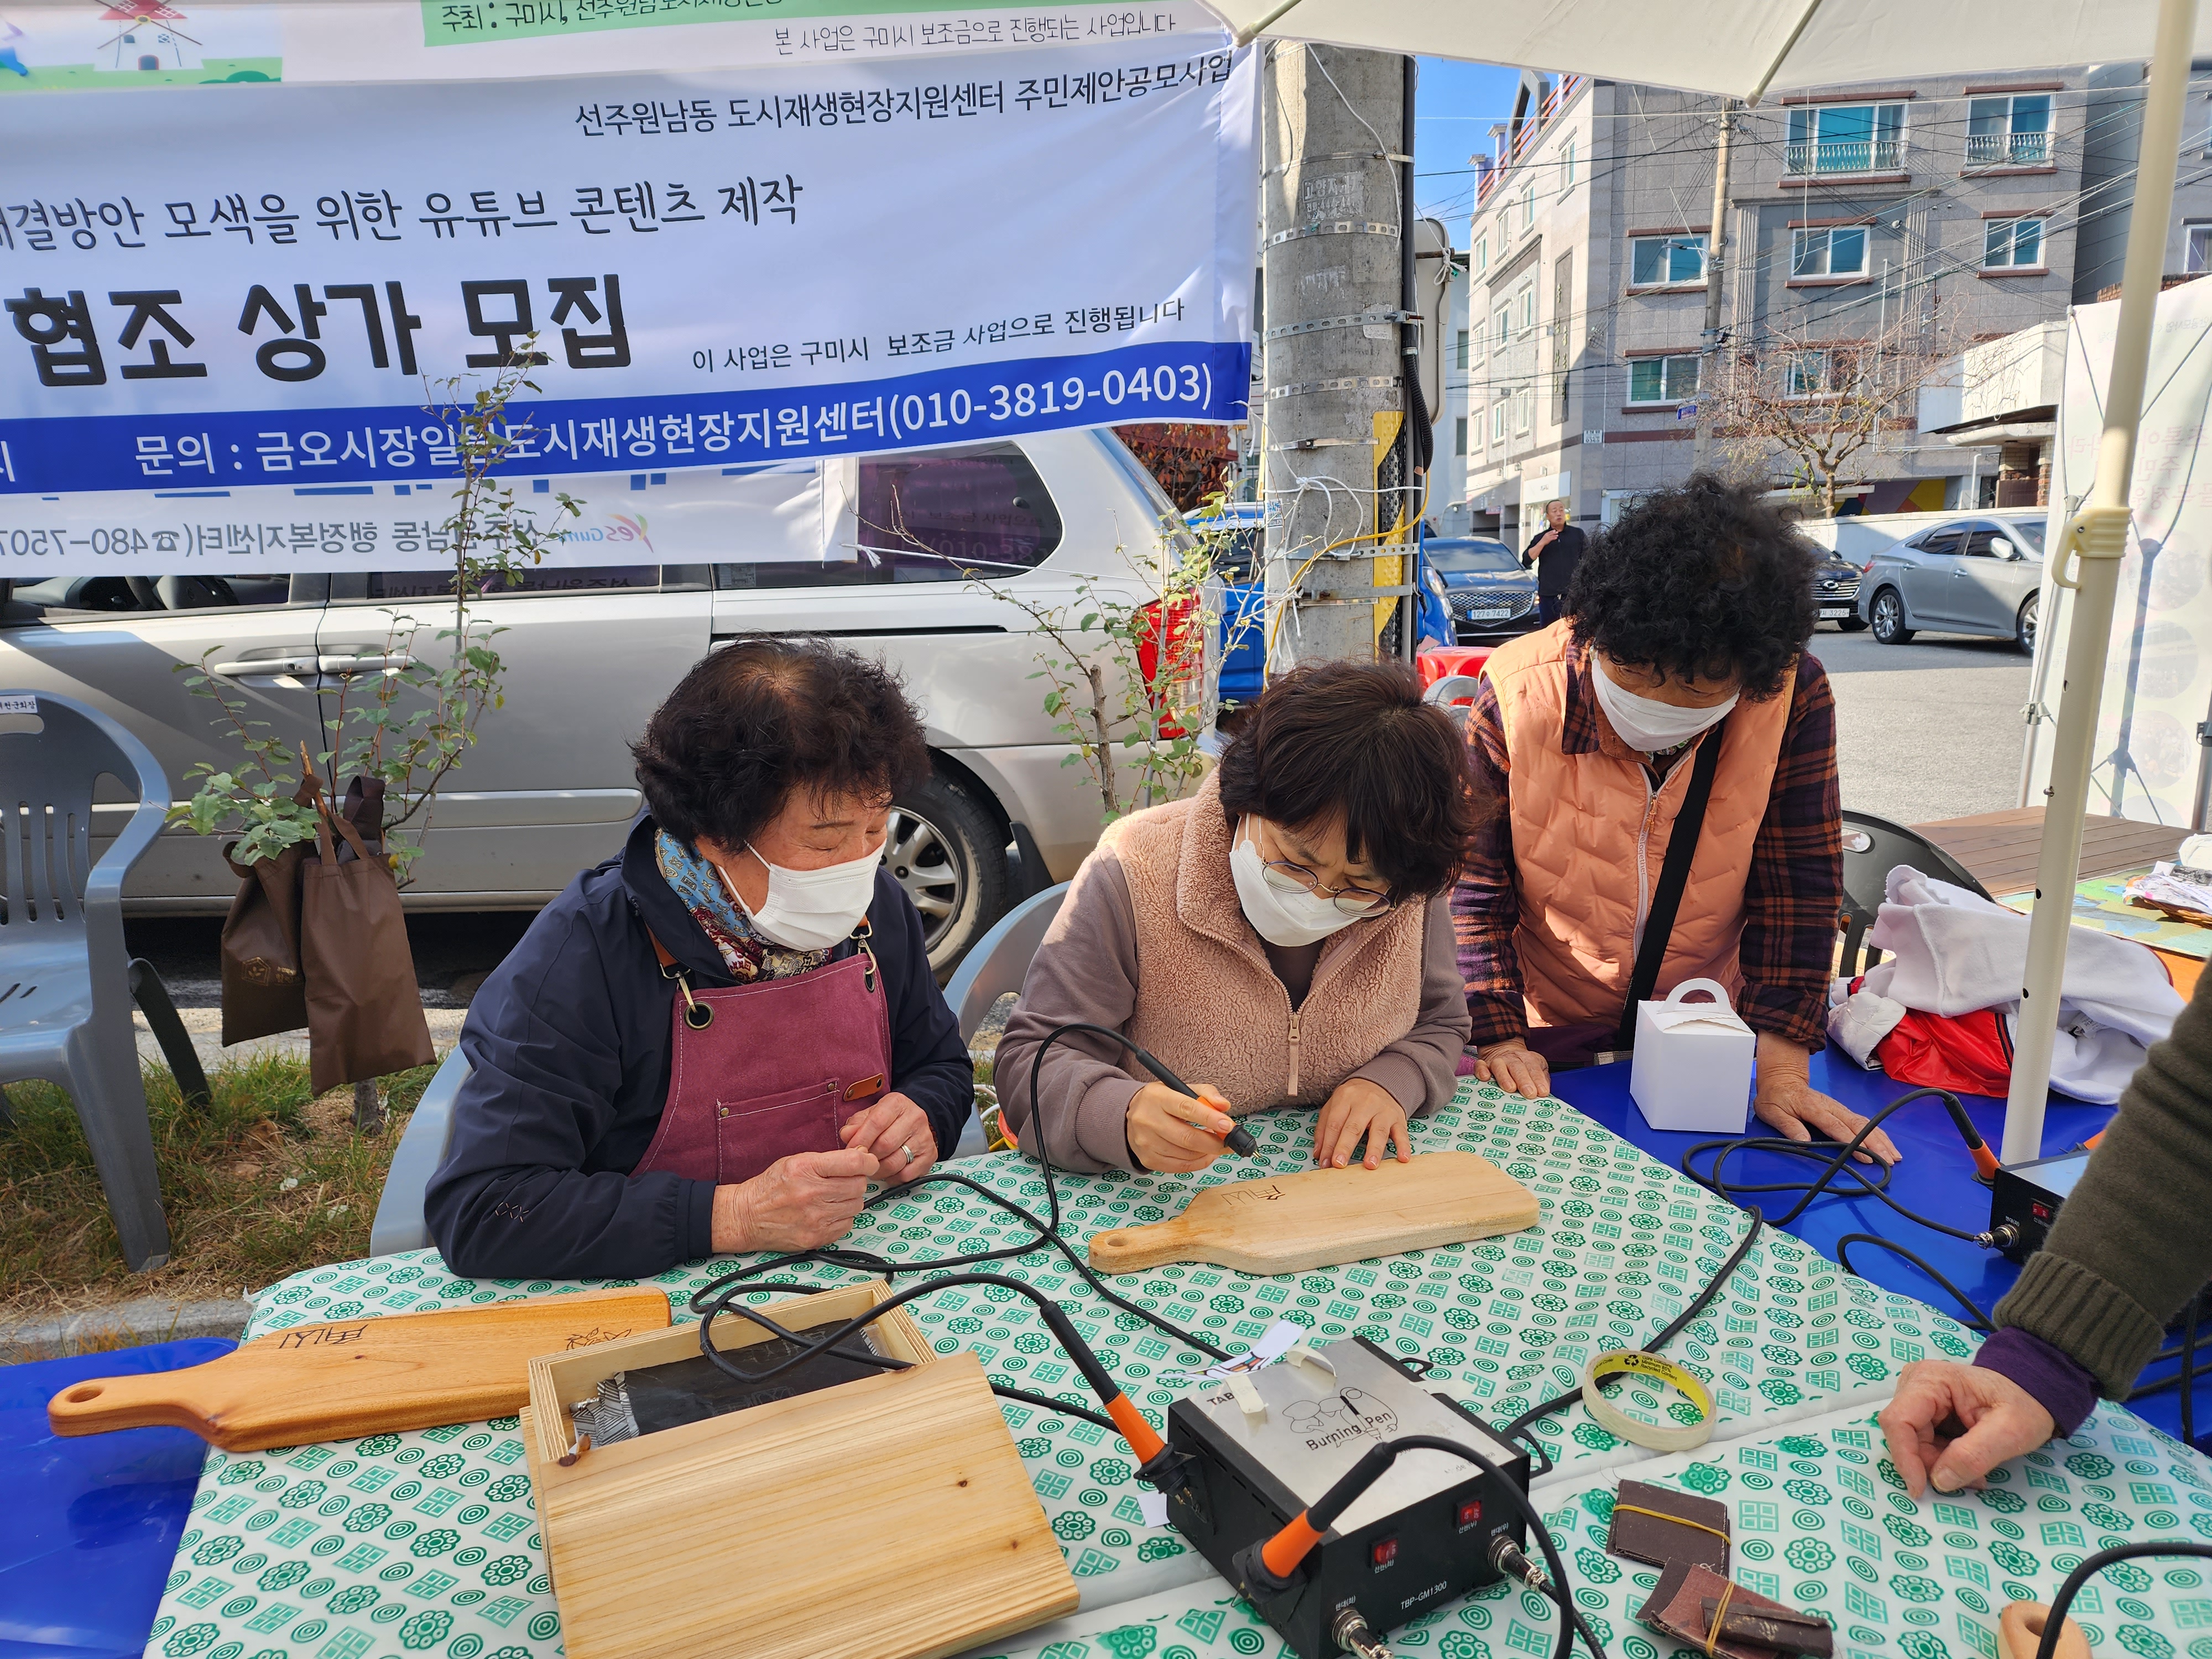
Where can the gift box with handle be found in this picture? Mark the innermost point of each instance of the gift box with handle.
(1692, 1061)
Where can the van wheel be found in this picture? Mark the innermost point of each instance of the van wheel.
(1889, 627)
(944, 847)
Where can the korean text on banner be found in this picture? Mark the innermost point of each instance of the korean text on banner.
(240, 289)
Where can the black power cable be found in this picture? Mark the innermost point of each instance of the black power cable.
(2055, 1620)
(1976, 1319)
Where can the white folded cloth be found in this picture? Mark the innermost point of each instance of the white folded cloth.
(1952, 951)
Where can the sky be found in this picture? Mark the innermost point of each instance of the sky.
(1453, 106)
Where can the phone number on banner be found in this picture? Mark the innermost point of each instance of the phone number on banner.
(1200, 382)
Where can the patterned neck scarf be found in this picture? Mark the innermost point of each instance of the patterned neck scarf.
(707, 896)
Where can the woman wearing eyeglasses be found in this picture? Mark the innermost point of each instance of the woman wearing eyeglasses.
(1283, 937)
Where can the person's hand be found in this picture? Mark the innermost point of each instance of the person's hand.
(1514, 1068)
(1787, 1102)
(1950, 1424)
(896, 1131)
(1355, 1107)
(797, 1203)
(1174, 1133)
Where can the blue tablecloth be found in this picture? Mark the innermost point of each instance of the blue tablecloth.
(88, 1526)
(1936, 1179)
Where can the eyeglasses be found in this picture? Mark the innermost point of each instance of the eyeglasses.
(1287, 878)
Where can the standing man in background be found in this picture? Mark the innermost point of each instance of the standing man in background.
(1554, 554)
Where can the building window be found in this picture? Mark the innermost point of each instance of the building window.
(1524, 303)
(1662, 380)
(1567, 166)
(2197, 258)
(2008, 132)
(1481, 254)
(1528, 208)
(1836, 251)
(1846, 138)
(2012, 245)
(1524, 410)
(1655, 261)
(1459, 435)
(1498, 421)
(1501, 322)
(1460, 351)
(1812, 374)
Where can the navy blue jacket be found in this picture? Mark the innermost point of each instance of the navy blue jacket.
(568, 1046)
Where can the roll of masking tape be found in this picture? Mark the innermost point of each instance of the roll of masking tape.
(1659, 1436)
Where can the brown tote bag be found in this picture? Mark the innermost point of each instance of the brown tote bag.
(264, 991)
(364, 1012)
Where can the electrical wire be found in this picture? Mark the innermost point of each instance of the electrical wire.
(2055, 1622)
(1976, 1320)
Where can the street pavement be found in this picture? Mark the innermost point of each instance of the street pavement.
(1929, 730)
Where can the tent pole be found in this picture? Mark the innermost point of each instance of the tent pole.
(2094, 542)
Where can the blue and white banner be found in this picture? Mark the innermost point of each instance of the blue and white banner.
(246, 288)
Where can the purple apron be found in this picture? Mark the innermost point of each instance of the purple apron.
(761, 1072)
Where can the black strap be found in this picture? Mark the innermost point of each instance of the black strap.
(1673, 877)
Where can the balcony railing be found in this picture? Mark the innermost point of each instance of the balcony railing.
(2007, 150)
(1526, 131)
(1845, 156)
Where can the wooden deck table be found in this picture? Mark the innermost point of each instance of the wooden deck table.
(1999, 850)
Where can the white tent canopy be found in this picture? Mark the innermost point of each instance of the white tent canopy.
(1737, 48)
(1750, 48)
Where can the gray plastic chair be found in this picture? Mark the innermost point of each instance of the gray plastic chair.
(400, 1225)
(1454, 694)
(1873, 847)
(66, 981)
(997, 964)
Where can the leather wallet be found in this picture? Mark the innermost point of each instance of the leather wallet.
(1660, 1527)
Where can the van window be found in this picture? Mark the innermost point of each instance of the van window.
(65, 598)
(389, 585)
(946, 515)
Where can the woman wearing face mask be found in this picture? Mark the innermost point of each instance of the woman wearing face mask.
(714, 1041)
(1281, 938)
(1685, 628)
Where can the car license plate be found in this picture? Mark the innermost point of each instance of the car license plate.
(1496, 614)
(1835, 612)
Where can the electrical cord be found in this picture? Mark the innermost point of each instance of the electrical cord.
(1976, 1319)
(2055, 1620)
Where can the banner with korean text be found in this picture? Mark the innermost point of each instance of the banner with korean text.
(227, 291)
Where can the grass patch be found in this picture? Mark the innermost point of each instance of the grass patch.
(270, 1180)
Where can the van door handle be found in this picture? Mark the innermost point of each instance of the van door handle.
(376, 663)
(265, 666)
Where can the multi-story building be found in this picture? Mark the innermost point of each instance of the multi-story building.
(1938, 211)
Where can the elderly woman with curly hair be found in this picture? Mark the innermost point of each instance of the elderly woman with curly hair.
(1679, 669)
(714, 1041)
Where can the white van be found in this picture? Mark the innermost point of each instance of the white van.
(548, 789)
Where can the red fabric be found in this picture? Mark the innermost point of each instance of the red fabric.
(1968, 1053)
(1449, 659)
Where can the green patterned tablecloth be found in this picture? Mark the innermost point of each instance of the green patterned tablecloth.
(426, 1542)
(1820, 1519)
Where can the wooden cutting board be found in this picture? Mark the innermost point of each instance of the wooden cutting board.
(361, 1376)
(1317, 1218)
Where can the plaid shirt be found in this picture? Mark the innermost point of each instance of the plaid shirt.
(1793, 891)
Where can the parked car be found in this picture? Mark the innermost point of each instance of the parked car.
(1491, 596)
(882, 557)
(1975, 572)
(1835, 595)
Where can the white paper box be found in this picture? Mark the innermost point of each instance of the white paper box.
(1692, 1069)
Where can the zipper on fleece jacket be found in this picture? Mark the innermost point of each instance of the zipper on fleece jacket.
(1293, 1093)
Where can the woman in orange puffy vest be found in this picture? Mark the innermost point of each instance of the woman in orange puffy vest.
(1686, 626)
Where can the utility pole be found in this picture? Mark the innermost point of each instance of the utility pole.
(1709, 351)
(1336, 208)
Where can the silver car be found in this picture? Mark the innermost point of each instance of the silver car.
(548, 789)
(1966, 574)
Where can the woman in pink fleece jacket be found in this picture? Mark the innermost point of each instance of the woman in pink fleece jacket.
(1280, 939)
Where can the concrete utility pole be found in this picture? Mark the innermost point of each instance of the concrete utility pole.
(1709, 353)
(1333, 238)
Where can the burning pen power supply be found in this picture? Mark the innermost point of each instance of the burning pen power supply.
(1253, 1452)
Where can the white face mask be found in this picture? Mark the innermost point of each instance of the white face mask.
(811, 910)
(1647, 726)
(1285, 919)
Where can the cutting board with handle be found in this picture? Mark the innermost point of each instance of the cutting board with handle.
(359, 1376)
(1319, 1217)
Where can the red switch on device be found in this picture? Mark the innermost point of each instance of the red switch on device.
(1384, 1552)
(1470, 1513)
